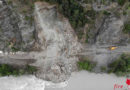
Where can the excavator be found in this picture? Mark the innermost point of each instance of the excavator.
(113, 48)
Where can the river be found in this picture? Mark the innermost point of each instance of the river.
(82, 80)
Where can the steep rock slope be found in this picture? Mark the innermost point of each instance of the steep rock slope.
(106, 32)
(54, 48)
(56, 41)
(9, 29)
(59, 45)
(16, 32)
(111, 31)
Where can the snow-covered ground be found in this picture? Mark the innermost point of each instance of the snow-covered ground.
(79, 81)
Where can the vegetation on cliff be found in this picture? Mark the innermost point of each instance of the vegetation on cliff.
(121, 66)
(6, 70)
(85, 64)
(121, 2)
(127, 28)
(72, 10)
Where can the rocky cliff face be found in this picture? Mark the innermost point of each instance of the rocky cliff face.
(111, 31)
(105, 32)
(17, 32)
(49, 42)
(108, 22)
(9, 29)
(55, 38)
(59, 45)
